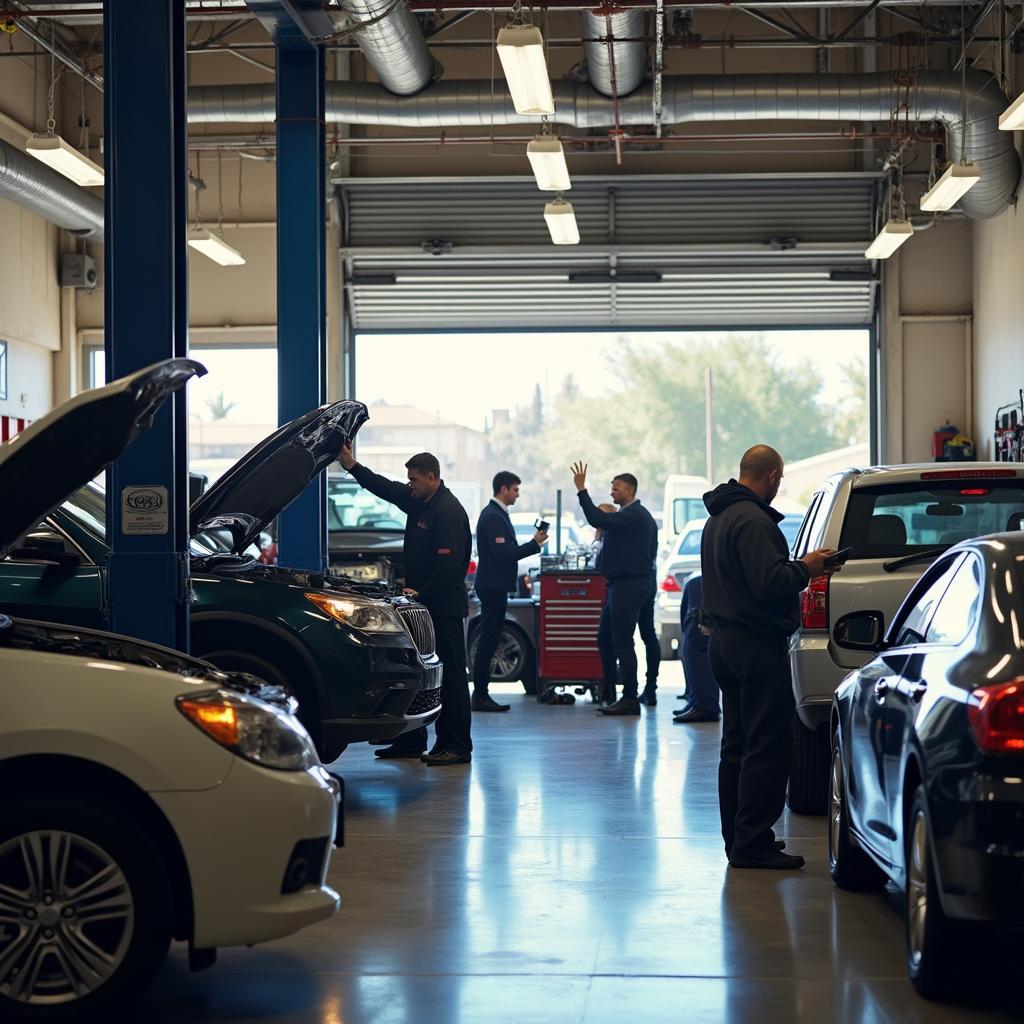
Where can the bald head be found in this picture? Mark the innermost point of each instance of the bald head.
(761, 470)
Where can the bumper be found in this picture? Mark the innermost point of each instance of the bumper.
(239, 839)
(816, 677)
(979, 848)
(400, 696)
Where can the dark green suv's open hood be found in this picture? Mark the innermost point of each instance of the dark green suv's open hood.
(65, 449)
(266, 481)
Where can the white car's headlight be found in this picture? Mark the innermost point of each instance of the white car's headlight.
(251, 729)
(368, 616)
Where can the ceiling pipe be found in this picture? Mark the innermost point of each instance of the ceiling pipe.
(394, 45)
(615, 44)
(935, 96)
(42, 191)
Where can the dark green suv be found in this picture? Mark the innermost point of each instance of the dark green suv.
(358, 657)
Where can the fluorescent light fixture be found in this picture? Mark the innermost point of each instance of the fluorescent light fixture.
(957, 180)
(521, 51)
(1012, 118)
(214, 247)
(562, 223)
(547, 158)
(889, 239)
(54, 151)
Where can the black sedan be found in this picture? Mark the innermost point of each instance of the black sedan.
(927, 786)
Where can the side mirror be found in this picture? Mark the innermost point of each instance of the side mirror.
(860, 631)
(47, 552)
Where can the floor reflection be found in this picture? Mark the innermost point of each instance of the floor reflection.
(573, 873)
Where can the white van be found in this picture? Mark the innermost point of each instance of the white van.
(684, 502)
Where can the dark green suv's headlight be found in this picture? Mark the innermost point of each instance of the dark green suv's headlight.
(365, 615)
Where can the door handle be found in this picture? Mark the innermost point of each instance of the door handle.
(915, 691)
(882, 687)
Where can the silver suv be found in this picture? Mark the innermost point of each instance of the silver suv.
(896, 519)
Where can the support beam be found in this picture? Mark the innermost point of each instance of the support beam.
(145, 305)
(301, 281)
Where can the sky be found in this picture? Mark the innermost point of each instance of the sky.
(486, 372)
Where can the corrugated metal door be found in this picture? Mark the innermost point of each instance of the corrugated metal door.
(655, 251)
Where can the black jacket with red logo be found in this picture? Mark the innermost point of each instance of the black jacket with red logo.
(437, 542)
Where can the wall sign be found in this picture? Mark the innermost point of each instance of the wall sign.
(144, 510)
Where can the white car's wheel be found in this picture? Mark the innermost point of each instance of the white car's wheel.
(85, 917)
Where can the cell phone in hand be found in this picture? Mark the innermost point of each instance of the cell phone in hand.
(541, 526)
(838, 558)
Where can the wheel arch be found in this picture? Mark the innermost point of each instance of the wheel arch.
(63, 774)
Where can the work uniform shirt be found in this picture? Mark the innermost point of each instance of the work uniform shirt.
(498, 552)
(437, 542)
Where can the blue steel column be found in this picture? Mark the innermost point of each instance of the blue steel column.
(301, 281)
(145, 300)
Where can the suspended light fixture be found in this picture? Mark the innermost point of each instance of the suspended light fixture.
(52, 150)
(547, 158)
(521, 51)
(203, 240)
(955, 183)
(893, 234)
(561, 221)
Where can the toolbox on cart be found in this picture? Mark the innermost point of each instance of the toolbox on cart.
(570, 611)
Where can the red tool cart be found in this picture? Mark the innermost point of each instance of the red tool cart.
(570, 610)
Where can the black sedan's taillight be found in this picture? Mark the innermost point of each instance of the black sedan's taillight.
(996, 717)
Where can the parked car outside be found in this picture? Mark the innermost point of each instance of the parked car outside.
(896, 519)
(358, 656)
(137, 785)
(677, 567)
(927, 756)
(364, 533)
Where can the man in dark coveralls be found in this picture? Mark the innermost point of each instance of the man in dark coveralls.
(627, 561)
(751, 591)
(437, 550)
(498, 555)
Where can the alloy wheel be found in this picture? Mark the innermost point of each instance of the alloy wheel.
(835, 806)
(67, 917)
(917, 888)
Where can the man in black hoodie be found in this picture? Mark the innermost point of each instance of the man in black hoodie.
(751, 594)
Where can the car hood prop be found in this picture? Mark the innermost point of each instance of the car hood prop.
(67, 447)
(263, 483)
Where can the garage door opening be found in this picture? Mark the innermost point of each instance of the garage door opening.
(534, 402)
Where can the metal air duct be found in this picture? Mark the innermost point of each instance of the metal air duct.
(44, 192)
(394, 46)
(628, 51)
(935, 96)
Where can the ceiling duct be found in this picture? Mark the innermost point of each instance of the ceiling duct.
(627, 53)
(393, 46)
(935, 96)
(44, 192)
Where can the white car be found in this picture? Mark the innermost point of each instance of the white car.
(145, 796)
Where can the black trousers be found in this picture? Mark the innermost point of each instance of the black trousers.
(701, 688)
(493, 604)
(649, 636)
(620, 616)
(452, 728)
(752, 671)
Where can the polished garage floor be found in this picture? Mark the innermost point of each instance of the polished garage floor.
(574, 873)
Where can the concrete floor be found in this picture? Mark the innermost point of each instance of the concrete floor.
(573, 873)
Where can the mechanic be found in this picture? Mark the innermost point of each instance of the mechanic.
(751, 594)
(436, 550)
(648, 631)
(498, 556)
(701, 697)
(628, 562)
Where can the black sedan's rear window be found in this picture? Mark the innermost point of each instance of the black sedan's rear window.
(900, 519)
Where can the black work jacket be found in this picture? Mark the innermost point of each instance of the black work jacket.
(630, 538)
(437, 542)
(498, 550)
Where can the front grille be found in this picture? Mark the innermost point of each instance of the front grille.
(420, 627)
(424, 701)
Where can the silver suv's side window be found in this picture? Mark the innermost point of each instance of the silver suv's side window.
(958, 610)
(814, 522)
(800, 544)
(912, 620)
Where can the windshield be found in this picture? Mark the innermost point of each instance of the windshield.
(902, 519)
(349, 507)
(690, 544)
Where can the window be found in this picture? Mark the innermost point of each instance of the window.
(957, 611)
(3, 370)
(686, 509)
(349, 507)
(912, 619)
(690, 544)
(44, 537)
(887, 522)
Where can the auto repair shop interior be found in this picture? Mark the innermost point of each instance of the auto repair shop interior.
(236, 234)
